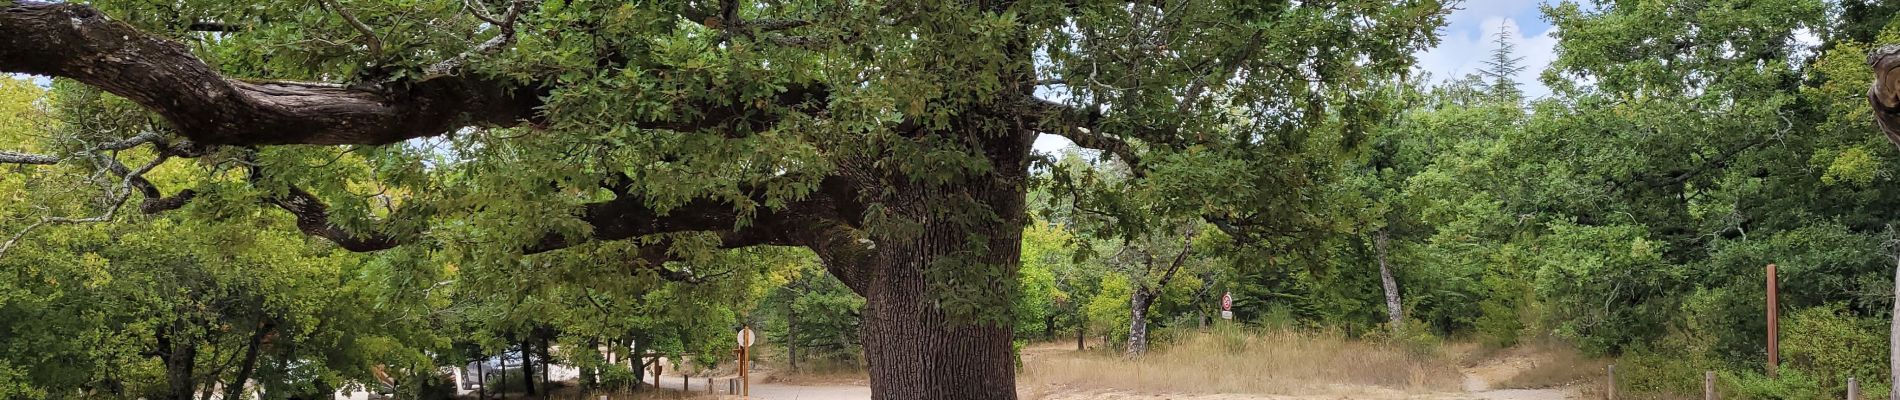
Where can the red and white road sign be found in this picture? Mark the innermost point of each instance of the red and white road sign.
(1227, 301)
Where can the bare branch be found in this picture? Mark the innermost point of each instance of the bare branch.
(369, 36)
(7, 157)
(506, 25)
(117, 200)
(480, 11)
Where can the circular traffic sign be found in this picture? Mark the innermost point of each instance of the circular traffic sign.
(746, 338)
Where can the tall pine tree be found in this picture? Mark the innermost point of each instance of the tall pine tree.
(1503, 65)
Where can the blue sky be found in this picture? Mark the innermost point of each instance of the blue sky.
(1464, 42)
(1469, 33)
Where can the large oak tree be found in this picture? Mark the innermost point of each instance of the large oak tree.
(893, 139)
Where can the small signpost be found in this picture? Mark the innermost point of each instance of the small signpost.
(746, 339)
(1227, 305)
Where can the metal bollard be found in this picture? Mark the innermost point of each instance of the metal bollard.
(1853, 389)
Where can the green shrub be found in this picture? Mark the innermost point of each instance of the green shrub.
(1414, 336)
(1830, 344)
(1665, 373)
(1791, 385)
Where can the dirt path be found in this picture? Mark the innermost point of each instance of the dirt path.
(1479, 383)
(773, 391)
(1480, 379)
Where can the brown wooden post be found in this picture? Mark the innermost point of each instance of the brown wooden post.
(1853, 389)
(1610, 388)
(709, 387)
(685, 385)
(1708, 385)
(1774, 344)
(745, 372)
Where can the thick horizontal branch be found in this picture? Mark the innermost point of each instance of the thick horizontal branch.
(214, 27)
(313, 218)
(1082, 127)
(78, 42)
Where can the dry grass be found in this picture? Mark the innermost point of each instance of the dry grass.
(1552, 364)
(1231, 360)
(823, 373)
(646, 394)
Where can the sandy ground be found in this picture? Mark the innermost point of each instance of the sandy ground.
(1477, 386)
(1479, 379)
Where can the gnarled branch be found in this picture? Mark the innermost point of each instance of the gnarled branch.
(1082, 127)
(78, 42)
(1884, 93)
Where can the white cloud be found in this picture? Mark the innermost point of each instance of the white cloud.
(1463, 51)
(40, 81)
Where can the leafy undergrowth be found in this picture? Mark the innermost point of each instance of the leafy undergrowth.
(1234, 360)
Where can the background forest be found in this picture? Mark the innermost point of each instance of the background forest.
(1630, 214)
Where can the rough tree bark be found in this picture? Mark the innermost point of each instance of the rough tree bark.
(791, 335)
(916, 350)
(235, 389)
(527, 366)
(481, 378)
(1884, 95)
(180, 355)
(1145, 292)
(1394, 310)
(1138, 322)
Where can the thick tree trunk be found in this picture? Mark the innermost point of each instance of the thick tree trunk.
(235, 389)
(635, 363)
(916, 351)
(181, 355)
(545, 358)
(1138, 322)
(527, 366)
(791, 333)
(590, 376)
(1893, 336)
(1394, 309)
(481, 379)
(916, 348)
(1081, 331)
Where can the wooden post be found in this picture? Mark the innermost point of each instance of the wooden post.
(1774, 344)
(685, 385)
(709, 389)
(1853, 389)
(1708, 385)
(745, 373)
(1610, 387)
